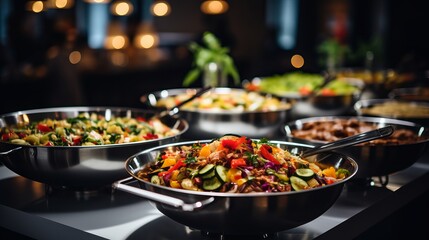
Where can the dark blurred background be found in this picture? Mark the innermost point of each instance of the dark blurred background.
(82, 52)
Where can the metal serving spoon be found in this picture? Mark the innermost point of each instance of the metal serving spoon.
(166, 116)
(175, 109)
(349, 141)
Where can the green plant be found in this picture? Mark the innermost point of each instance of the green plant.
(212, 52)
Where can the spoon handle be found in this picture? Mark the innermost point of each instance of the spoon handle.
(352, 140)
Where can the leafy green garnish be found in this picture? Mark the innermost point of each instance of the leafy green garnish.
(213, 52)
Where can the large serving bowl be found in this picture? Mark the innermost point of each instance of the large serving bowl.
(374, 159)
(321, 96)
(414, 111)
(210, 123)
(238, 213)
(76, 167)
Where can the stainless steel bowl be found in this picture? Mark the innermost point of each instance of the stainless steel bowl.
(211, 124)
(315, 105)
(414, 111)
(75, 167)
(238, 213)
(373, 160)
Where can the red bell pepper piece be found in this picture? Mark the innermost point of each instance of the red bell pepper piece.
(238, 162)
(43, 128)
(232, 143)
(176, 166)
(266, 153)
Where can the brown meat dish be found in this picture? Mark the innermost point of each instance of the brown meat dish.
(337, 129)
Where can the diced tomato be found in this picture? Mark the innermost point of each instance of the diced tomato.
(151, 136)
(238, 162)
(304, 90)
(327, 92)
(5, 136)
(77, 140)
(266, 153)
(49, 144)
(140, 119)
(43, 128)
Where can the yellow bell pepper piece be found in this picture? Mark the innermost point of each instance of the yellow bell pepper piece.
(175, 184)
(330, 172)
(205, 151)
(168, 162)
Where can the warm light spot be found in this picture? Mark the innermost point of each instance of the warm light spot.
(61, 3)
(116, 42)
(160, 9)
(214, 7)
(97, 1)
(297, 61)
(37, 6)
(122, 8)
(75, 57)
(146, 41)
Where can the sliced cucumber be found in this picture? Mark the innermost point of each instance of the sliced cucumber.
(155, 179)
(209, 174)
(211, 184)
(206, 169)
(304, 173)
(298, 183)
(221, 173)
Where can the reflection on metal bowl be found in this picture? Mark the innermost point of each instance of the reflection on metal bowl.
(240, 213)
(207, 123)
(373, 160)
(75, 167)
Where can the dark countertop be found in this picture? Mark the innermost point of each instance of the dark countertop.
(31, 209)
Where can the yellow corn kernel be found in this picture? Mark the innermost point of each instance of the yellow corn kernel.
(175, 184)
(168, 162)
(205, 151)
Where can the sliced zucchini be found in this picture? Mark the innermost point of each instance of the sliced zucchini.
(304, 173)
(211, 184)
(298, 183)
(206, 169)
(221, 173)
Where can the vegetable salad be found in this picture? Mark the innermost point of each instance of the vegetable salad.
(86, 130)
(237, 164)
(235, 100)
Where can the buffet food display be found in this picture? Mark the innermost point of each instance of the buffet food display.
(379, 157)
(225, 110)
(235, 100)
(86, 129)
(238, 164)
(80, 148)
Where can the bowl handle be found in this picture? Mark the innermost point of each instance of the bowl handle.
(171, 201)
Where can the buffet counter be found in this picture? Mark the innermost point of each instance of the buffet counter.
(34, 210)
